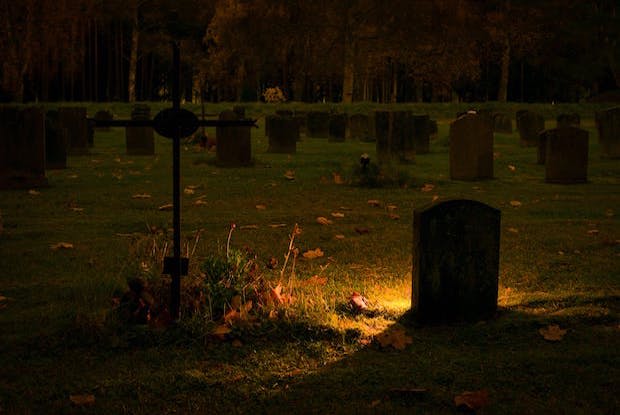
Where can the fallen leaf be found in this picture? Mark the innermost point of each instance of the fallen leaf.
(374, 203)
(61, 245)
(261, 207)
(511, 167)
(374, 403)
(609, 213)
(189, 191)
(221, 331)
(248, 227)
(194, 186)
(515, 203)
(338, 178)
(358, 302)
(117, 176)
(391, 208)
(552, 333)
(277, 296)
(394, 216)
(82, 400)
(168, 206)
(427, 187)
(472, 401)
(313, 253)
(34, 192)
(395, 337)
(435, 198)
(200, 202)
(2, 298)
(513, 230)
(323, 220)
(337, 215)
(289, 175)
(339, 236)
(345, 208)
(315, 280)
(362, 231)
(141, 196)
(277, 225)
(593, 232)
(77, 209)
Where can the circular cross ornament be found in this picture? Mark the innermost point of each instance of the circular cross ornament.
(173, 122)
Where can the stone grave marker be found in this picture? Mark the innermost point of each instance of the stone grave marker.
(394, 134)
(317, 124)
(358, 126)
(608, 126)
(103, 115)
(530, 126)
(284, 113)
(337, 128)
(434, 129)
(22, 148)
(566, 155)
(301, 117)
(471, 148)
(502, 123)
(518, 115)
(239, 110)
(234, 144)
(140, 141)
(73, 119)
(568, 120)
(421, 133)
(55, 142)
(542, 145)
(455, 262)
(283, 135)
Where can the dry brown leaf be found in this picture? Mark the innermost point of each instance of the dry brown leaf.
(141, 196)
(34, 192)
(552, 333)
(358, 302)
(248, 227)
(515, 203)
(362, 231)
(194, 186)
(428, 187)
(513, 230)
(189, 191)
(61, 245)
(395, 337)
(77, 209)
(337, 215)
(168, 206)
(82, 400)
(339, 236)
(472, 401)
(261, 207)
(593, 232)
(221, 331)
(289, 175)
(323, 220)
(374, 202)
(609, 213)
(200, 202)
(313, 253)
(511, 167)
(435, 198)
(394, 216)
(315, 280)
(277, 225)
(338, 178)
(391, 208)
(345, 208)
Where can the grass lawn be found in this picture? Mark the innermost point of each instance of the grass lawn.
(63, 351)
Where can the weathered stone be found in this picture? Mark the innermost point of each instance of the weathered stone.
(421, 133)
(455, 262)
(337, 128)
(568, 120)
(103, 115)
(394, 133)
(471, 148)
(283, 135)
(76, 124)
(566, 158)
(239, 110)
(234, 144)
(140, 141)
(518, 115)
(434, 129)
(530, 125)
(608, 125)
(22, 148)
(502, 123)
(542, 145)
(55, 142)
(268, 119)
(302, 118)
(357, 127)
(317, 124)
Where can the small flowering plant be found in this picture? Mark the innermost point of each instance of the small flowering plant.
(274, 95)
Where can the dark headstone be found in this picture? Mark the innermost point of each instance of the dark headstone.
(234, 144)
(568, 120)
(302, 118)
(542, 145)
(239, 110)
(103, 115)
(608, 125)
(337, 128)
(455, 262)
(434, 129)
(394, 133)
(283, 135)
(358, 128)
(471, 148)
(518, 115)
(502, 123)
(140, 141)
(74, 120)
(22, 148)
(55, 142)
(566, 158)
(268, 120)
(284, 113)
(421, 133)
(317, 124)
(530, 125)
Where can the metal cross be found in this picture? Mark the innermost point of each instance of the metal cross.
(175, 123)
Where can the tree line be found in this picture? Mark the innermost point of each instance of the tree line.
(314, 50)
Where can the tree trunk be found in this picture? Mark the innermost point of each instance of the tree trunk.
(133, 59)
(348, 78)
(394, 97)
(502, 93)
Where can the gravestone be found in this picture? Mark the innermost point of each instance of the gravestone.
(284, 113)
(103, 115)
(434, 129)
(22, 148)
(568, 120)
(337, 128)
(518, 115)
(471, 148)
(421, 133)
(394, 134)
(455, 262)
(317, 124)
(268, 120)
(358, 126)
(502, 123)
(301, 118)
(239, 110)
(566, 158)
(234, 145)
(140, 140)
(55, 142)
(542, 145)
(530, 125)
(283, 135)
(73, 119)
(608, 125)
